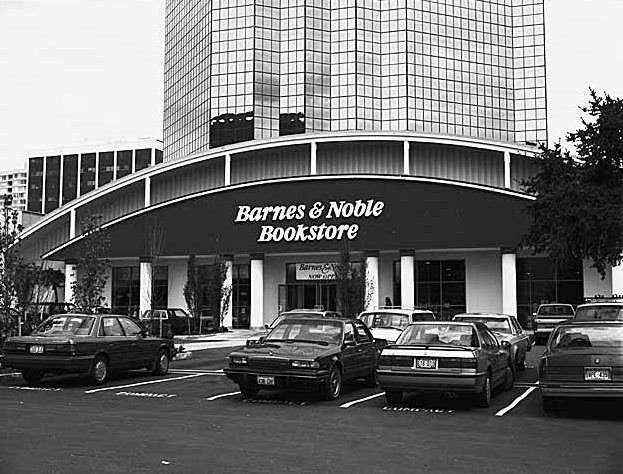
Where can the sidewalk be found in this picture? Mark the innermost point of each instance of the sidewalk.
(231, 338)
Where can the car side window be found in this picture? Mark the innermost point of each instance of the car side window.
(349, 332)
(515, 324)
(178, 313)
(130, 327)
(488, 340)
(361, 333)
(110, 327)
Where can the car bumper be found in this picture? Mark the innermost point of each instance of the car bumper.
(283, 380)
(57, 364)
(418, 382)
(582, 390)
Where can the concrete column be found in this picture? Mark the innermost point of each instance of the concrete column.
(147, 191)
(509, 283)
(60, 178)
(78, 180)
(227, 169)
(312, 157)
(257, 290)
(114, 165)
(145, 285)
(617, 280)
(71, 276)
(372, 279)
(97, 170)
(44, 184)
(228, 283)
(507, 169)
(407, 278)
(72, 223)
(405, 158)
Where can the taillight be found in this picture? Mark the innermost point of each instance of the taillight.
(450, 363)
(385, 360)
(396, 361)
(469, 364)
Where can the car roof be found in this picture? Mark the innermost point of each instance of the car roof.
(395, 309)
(592, 322)
(433, 323)
(484, 315)
(555, 304)
(601, 303)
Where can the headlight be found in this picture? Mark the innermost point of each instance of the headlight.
(238, 360)
(304, 364)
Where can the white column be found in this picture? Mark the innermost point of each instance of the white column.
(147, 191)
(509, 283)
(44, 184)
(372, 279)
(71, 276)
(97, 170)
(405, 158)
(60, 187)
(72, 223)
(145, 286)
(227, 169)
(78, 177)
(617, 280)
(507, 169)
(257, 291)
(407, 278)
(228, 283)
(312, 158)
(114, 165)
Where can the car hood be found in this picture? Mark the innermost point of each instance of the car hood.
(290, 350)
(389, 334)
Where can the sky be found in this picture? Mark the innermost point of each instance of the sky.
(90, 71)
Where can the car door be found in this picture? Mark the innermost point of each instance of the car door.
(520, 338)
(141, 350)
(496, 355)
(349, 352)
(116, 344)
(366, 349)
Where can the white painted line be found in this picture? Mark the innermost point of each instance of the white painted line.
(12, 373)
(503, 411)
(144, 383)
(222, 395)
(191, 371)
(354, 402)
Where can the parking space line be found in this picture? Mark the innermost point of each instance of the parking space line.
(145, 383)
(222, 395)
(198, 371)
(354, 402)
(12, 373)
(505, 410)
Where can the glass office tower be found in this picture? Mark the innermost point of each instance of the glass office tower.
(251, 69)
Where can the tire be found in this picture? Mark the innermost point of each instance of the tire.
(248, 391)
(550, 404)
(99, 370)
(32, 376)
(483, 398)
(332, 389)
(393, 397)
(160, 365)
(509, 378)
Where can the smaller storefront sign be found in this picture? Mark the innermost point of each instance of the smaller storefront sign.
(315, 271)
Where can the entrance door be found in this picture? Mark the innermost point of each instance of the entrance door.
(308, 295)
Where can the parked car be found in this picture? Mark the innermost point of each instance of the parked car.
(600, 308)
(582, 360)
(173, 321)
(307, 354)
(91, 344)
(506, 328)
(442, 356)
(387, 322)
(547, 317)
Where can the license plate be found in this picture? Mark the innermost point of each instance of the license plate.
(265, 380)
(424, 363)
(597, 373)
(36, 349)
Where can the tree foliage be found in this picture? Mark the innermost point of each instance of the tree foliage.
(352, 285)
(578, 211)
(91, 265)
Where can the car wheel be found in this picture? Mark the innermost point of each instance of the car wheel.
(248, 392)
(483, 398)
(99, 370)
(333, 387)
(32, 377)
(509, 377)
(393, 397)
(160, 365)
(549, 404)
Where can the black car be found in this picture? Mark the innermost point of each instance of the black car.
(167, 322)
(307, 354)
(91, 344)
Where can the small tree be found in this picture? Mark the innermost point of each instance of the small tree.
(53, 278)
(154, 247)
(215, 292)
(192, 288)
(28, 280)
(91, 265)
(578, 211)
(353, 287)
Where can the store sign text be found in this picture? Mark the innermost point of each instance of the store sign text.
(358, 209)
(315, 271)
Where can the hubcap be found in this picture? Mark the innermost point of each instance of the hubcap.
(100, 370)
(335, 382)
(488, 389)
(164, 362)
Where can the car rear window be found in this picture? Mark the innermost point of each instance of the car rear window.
(386, 320)
(600, 313)
(494, 324)
(439, 335)
(589, 336)
(555, 310)
(66, 324)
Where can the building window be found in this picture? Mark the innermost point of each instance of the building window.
(35, 184)
(290, 124)
(87, 173)
(124, 163)
(143, 159)
(70, 177)
(226, 129)
(105, 172)
(126, 290)
(52, 182)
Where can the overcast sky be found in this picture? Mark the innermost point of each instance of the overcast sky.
(85, 71)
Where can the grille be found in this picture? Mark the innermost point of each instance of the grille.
(268, 363)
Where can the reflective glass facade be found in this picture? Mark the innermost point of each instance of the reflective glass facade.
(251, 69)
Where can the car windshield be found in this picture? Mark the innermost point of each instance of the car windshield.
(555, 310)
(77, 325)
(439, 335)
(599, 313)
(313, 330)
(386, 320)
(495, 324)
(588, 336)
(281, 317)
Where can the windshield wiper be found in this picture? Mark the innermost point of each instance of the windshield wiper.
(279, 340)
(311, 341)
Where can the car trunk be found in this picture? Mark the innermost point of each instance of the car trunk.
(570, 365)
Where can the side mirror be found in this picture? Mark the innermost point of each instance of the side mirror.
(349, 343)
(266, 326)
(262, 339)
(506, 345)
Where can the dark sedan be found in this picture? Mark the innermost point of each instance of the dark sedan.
(461, 357)
(582, 360)
(307, 354)
(91, 344)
